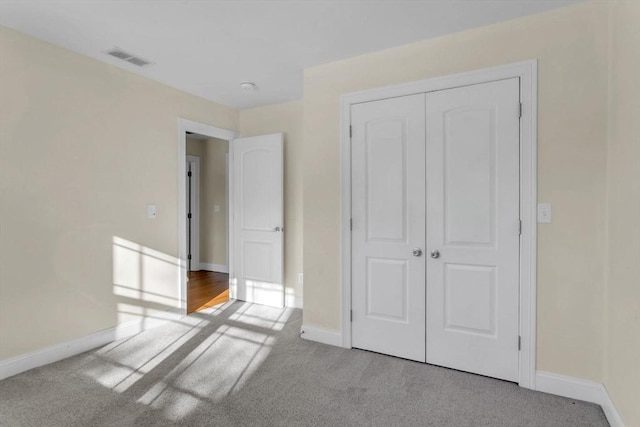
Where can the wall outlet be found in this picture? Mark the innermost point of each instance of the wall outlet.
(151, 211)
(216, 208)
(544, 213)
(300, 278)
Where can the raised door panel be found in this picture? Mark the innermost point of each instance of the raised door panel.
(469, 175)
(470, 299)
(256, 187)
(385, 151)
(257, 260)
(386, 302)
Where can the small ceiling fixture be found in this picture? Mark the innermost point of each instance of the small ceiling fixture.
(248, 86)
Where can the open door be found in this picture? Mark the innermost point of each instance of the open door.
(257, 266)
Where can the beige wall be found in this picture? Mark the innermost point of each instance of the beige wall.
(571, 47)
(213, 192)
(84, 147)
(622, 315)
(287, 118)
(214, 228)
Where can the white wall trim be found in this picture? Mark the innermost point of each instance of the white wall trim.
(324, 336)
(220, 268)
(610, 409)
(16, 365)
(526, 71)
(233, 283)
(579, 389)
(185, 126)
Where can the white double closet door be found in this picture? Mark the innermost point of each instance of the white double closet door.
(435, 239)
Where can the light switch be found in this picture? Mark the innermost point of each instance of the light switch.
(216, 208)
(544, 213)
(151, 211)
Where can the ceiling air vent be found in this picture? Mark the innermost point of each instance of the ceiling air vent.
(129, 57)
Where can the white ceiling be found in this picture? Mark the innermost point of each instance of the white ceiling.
(208, 47)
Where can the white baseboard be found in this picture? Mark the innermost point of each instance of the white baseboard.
(575, 388)
(45, 356)
(292, 301)
(220, 268)
(570, 387)
(610, 410)
(321, 335)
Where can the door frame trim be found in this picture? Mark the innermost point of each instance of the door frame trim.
(527, 72)
(185, 126)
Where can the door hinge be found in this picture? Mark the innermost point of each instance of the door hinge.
(189, 256)
(189, 174)
(189, 215)
(351, 315)
(520, 110)
(520, 227)
(351, 224)
(350, 131)
(519, 343)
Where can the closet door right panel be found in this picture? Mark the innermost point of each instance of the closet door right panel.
(473, 228)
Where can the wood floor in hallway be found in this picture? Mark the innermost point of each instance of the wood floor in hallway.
(206, 289)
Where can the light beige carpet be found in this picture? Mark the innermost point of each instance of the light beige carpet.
(245, 365)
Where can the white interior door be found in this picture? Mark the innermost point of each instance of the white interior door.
(388, 205)
(257, 191)
(473, 222)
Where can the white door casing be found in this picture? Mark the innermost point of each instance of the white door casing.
(258, 219)
(185, 126)
(388, 204)
(473, 221)
(526, 72)
(472, 227)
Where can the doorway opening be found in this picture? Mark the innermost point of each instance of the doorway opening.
(252, 270)
(204, 222)
(207, 221)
